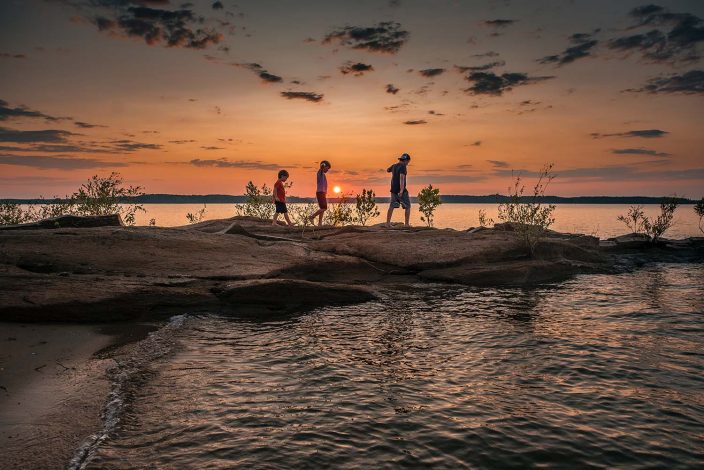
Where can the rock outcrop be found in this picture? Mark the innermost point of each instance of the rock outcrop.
(244, 265)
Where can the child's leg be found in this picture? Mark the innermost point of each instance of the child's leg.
(273, 220)
(288, 221)
(320, 217)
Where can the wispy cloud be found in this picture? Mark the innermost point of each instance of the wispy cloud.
(243, 164)
(645, 133)
(9, 112)
(583, 45)
(58, 162)
(302, 95)
(260, 72)
(489, 83)
(429, 73)
(688, 83)
(390, 88)
(640, 151)
(416, 122)
(357, 69)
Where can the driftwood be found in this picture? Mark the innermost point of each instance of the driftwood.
(70, 221)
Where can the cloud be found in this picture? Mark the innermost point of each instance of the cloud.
(584, 43)
(431, 72)
(48, 135)
(486, 54)
(59, 163)
(476, 143)
(218, 5)
(416, 122)
(640, 151)
(9, 112)
(212, 148)
(479, 68)
(356, 69)
(689, 83)
(181, 141)
(260, 72)
(6, 55)
(488, 83)
(244, 164)
(614, 173)
(391, 89)
(133, 18)
(302, 95)
(645, 133)
(386, 37)
(499, 163)
(85, 125)
(499, 23)
(674, 37)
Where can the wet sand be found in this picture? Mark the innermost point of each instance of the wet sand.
(53, 387)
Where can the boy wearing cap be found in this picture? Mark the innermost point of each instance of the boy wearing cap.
(399, 192)
(280, 198)
(321, 192)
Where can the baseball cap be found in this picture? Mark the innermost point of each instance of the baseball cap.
(404, 157)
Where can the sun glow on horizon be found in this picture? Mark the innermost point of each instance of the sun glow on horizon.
(336, 190)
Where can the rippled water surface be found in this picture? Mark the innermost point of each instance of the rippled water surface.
(600, 371)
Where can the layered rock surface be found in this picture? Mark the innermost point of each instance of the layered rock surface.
(246, 265)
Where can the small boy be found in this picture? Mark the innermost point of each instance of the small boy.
(280, 198)
(321, 192)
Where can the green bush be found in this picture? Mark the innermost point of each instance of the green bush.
(428, 201)
(365, 207)
(339, 213)
(656, 228)
(529, 215)
(258, 202)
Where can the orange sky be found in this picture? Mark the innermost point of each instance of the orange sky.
(178, 106)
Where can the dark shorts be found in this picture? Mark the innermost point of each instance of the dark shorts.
(280, 207)
(403, 201)
(322, 200)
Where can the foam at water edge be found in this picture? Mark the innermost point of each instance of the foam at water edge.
(154, 346)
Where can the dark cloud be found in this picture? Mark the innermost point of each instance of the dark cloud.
(674, 37)
(211, 148)
(245, 164)
(5, 55)
(476, 143)
(488, 83)
(302, 95)
(479, 68)
(85, 125)
(416, 122)
(9, 112)
(486, 54)
(431, 72)
(583, 45)
(128, 146)
(689, 83)
(133, 18)
(218, 5)
(356, 69)
(646, 133)
(181, 141)
(640, 151)
(59, 163)
(615, 173)
(386, 37)
(260, 72)
(499, 23)
(499, 163)
(48, 135)
(435, 113)
(391, 89)
(394, 3)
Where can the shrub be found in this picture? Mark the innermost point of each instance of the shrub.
(699, 210)
(530, 216)
(428, 201)
(484, 221)
(258, 203)
(657, 228)
(365, 206)
(13, 214)
(634, 220)
(101, 196)
(340, 212)
(300, 213)
(195, 217)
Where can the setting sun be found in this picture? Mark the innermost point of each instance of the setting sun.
(336, 189)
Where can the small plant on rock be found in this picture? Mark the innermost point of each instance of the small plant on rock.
(634, 220)
(339, 213)
(656, 228)
(102, 195)
(699, 210)
(195, 217)
(365, 206)
(13, 214)
(530, 216)
(428, 201)
(258, 202)
(484, 221)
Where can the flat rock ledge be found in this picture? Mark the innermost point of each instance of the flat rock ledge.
(245, 266)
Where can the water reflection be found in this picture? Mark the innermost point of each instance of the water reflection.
(600, 371)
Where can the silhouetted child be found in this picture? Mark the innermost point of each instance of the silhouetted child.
(321, 192)
(280, 198)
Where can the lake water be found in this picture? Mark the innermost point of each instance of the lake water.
(602, 371)
(592, 219)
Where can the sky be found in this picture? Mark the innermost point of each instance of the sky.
(204, 96)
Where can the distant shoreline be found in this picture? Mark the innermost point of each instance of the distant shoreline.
(449, 199)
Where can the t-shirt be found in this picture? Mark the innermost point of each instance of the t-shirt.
(322, 182)
(396, 171)
(279, 191)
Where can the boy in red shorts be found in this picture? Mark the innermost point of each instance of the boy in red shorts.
(321, 192)
(280, 198)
